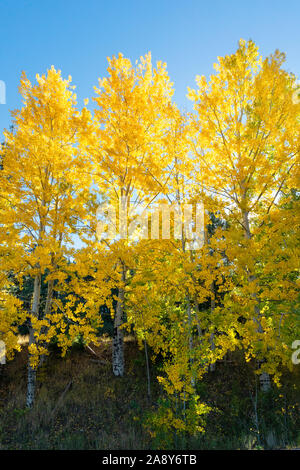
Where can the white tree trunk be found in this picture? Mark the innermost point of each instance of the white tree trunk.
(118, 340)
(31, 372)
(265, 381)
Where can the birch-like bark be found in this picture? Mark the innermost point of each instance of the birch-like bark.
(118, 340)
(31, 372)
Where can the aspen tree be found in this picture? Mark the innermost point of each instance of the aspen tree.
(126, 152)
(41, 168)
(246, 148)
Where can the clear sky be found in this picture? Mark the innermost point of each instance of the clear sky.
(76, 36)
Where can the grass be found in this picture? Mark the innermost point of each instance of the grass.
(98, 411)
(81, 405)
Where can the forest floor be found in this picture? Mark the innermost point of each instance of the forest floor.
(81, 405)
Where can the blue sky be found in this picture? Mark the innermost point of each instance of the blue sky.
(76, 36)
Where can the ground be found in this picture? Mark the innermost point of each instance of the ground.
(81, 405)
